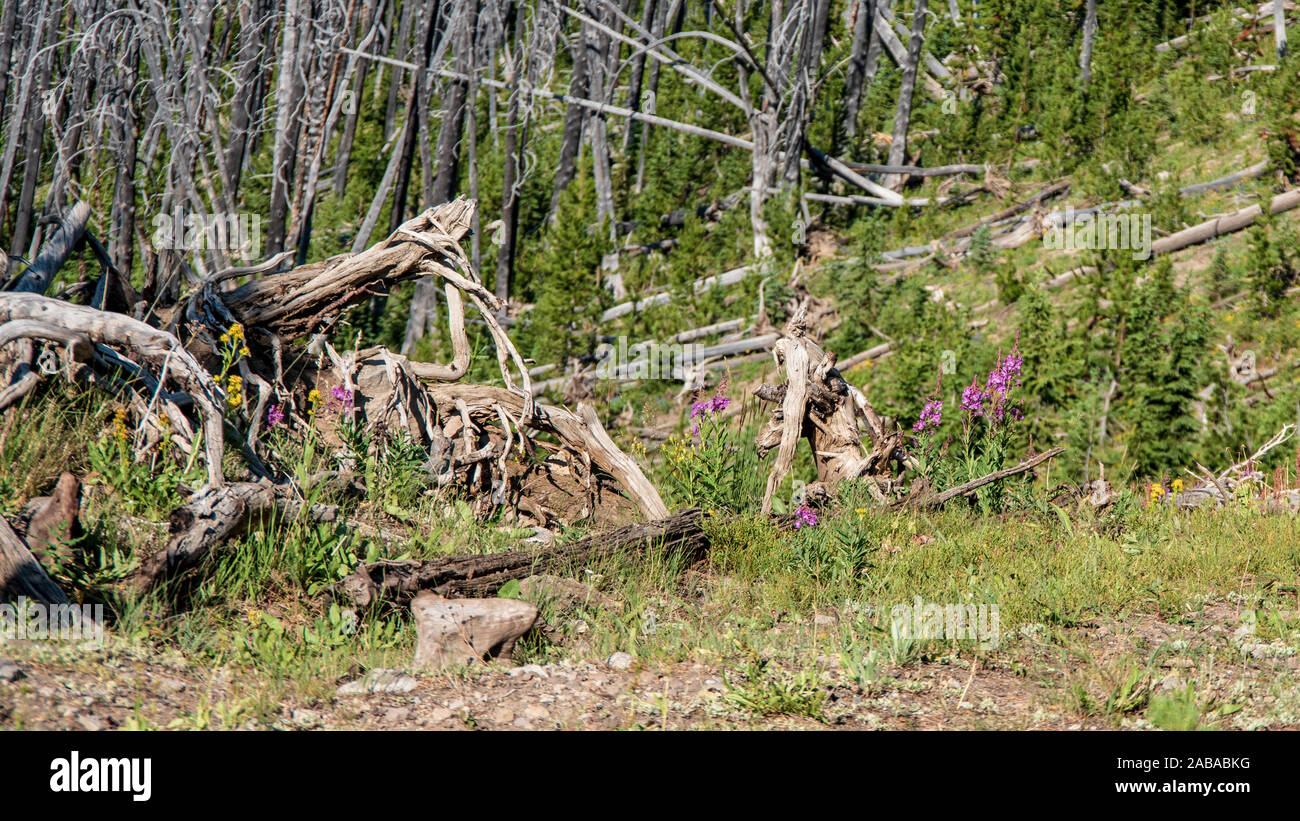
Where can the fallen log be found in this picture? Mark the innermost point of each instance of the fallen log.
(211, 518)
(469, 576)
(1219, 226)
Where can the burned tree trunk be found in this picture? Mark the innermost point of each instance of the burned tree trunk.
(575, 117)
(903, 116)
(1085, 53)
(855, 75)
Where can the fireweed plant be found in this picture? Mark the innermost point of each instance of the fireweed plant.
(988, 412)
(707, 469)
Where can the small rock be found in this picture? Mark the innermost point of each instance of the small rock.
(304, 717)
(529, 671)
(536, 712)
(379, 680)
(439, 714)
(620, 661)
(502, 716)
(824, 620)
(90, 723)
(171, 685)
(398, 715)
(9, 671)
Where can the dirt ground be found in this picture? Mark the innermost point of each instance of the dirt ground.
(1028, 683)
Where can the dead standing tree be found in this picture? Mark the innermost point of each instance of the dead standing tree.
(816, 403)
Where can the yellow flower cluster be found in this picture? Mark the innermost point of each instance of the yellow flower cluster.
(1156, 493)
(313, 399)
(234, 390)
(119, 426)
(235, 333)
(1176, 486)
(234, 337)
(680, 453)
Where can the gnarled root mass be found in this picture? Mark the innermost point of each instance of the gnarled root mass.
(179, 374)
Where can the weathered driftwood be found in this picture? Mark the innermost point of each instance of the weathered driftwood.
(305, 299)
(399, 581)
(816, 403)
(47, 523)
(158, 348)
(23, 377)
(463, 631)
(21, 575)
(214, 516)
(479, 435)
(55, 251)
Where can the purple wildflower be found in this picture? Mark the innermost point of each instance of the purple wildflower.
(1000, 382)
(716, 404)
(340, 398)
(805, 517)
(274, 415)
(972, 400)
(931, 416)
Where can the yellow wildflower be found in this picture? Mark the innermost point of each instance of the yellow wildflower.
(1177, 485)
(244, 351)
(119, 425)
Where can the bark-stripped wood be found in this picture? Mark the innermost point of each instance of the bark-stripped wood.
(466, 576)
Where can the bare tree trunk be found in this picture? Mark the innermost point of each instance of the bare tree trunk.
(1085, 54)
(401, 49)
(509, 185)
(574, 119)
(664, 11)
(898, 148)
(1279, 27)
(287, 117)
(815, 16)
(856, 74)
(34, 137)
(453, 116)
(8, 28)
(122, 218)
(638, 72)
(343, 154)
(245, 104)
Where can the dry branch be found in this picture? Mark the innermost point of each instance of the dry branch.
(967, 488)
